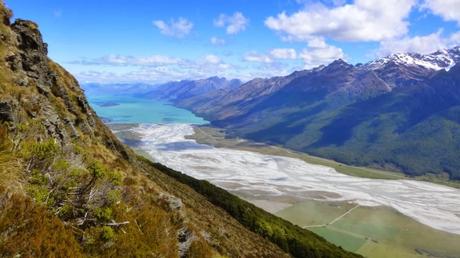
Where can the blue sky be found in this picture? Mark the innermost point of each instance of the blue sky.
(110, 41)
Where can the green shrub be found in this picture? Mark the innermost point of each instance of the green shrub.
(78, 172)
(40, 154)
(41, 150)
(97, 169)
(61, 165)
(38, 178)
(115, 177)
(107, 233)
(40, 194)
(113, 196)
(103, 213)
(66, 211)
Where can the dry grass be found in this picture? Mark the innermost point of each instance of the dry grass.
(28, 230)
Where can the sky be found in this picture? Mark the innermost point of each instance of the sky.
(142, 41)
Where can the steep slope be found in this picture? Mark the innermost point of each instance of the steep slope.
(415, 128)
(69, 188)
(385, 113)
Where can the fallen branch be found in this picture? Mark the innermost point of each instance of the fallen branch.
(116, 224)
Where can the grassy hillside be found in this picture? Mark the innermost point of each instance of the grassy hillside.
(69, 188)
(293, 239)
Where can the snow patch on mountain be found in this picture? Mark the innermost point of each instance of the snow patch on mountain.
(441, 59)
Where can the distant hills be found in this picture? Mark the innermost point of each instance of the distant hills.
(401, 112)
(184, 89)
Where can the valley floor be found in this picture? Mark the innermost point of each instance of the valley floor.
(216, 137)
(350, 211)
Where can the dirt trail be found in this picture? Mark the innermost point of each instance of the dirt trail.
(334, 220)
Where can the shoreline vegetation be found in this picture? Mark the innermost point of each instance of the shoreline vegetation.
(205, 134)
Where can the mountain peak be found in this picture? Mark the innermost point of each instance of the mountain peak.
(439, 60)
(338, 64)
(339, 61)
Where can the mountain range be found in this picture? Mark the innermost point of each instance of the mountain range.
(401, 112)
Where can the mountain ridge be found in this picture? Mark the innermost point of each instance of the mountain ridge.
(303, 111)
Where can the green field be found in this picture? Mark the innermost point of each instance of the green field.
(373, 231)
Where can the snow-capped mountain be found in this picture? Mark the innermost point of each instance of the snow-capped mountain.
(441, 59)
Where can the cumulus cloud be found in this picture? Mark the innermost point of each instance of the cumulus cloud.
(178, 28)
(217, 41)
(283, 53)
(363, 20)
(419, 44)
(319, 52)
(233, 23)
(449, 10)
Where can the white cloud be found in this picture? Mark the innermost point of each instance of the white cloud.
(319, 53)
(449, 10)
(212, 59)
(257, 58)
(276, 53)
(283, 53)
(455, 39)
(419, 44)
(217, 41)
(363, 20)
(179, 28)
(121, 60)
(233, 24)
(151, 69)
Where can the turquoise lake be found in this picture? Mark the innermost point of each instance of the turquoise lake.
(128, 109)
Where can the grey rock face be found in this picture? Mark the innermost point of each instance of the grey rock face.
(6, 111)
(53, 124)
(32, 58)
